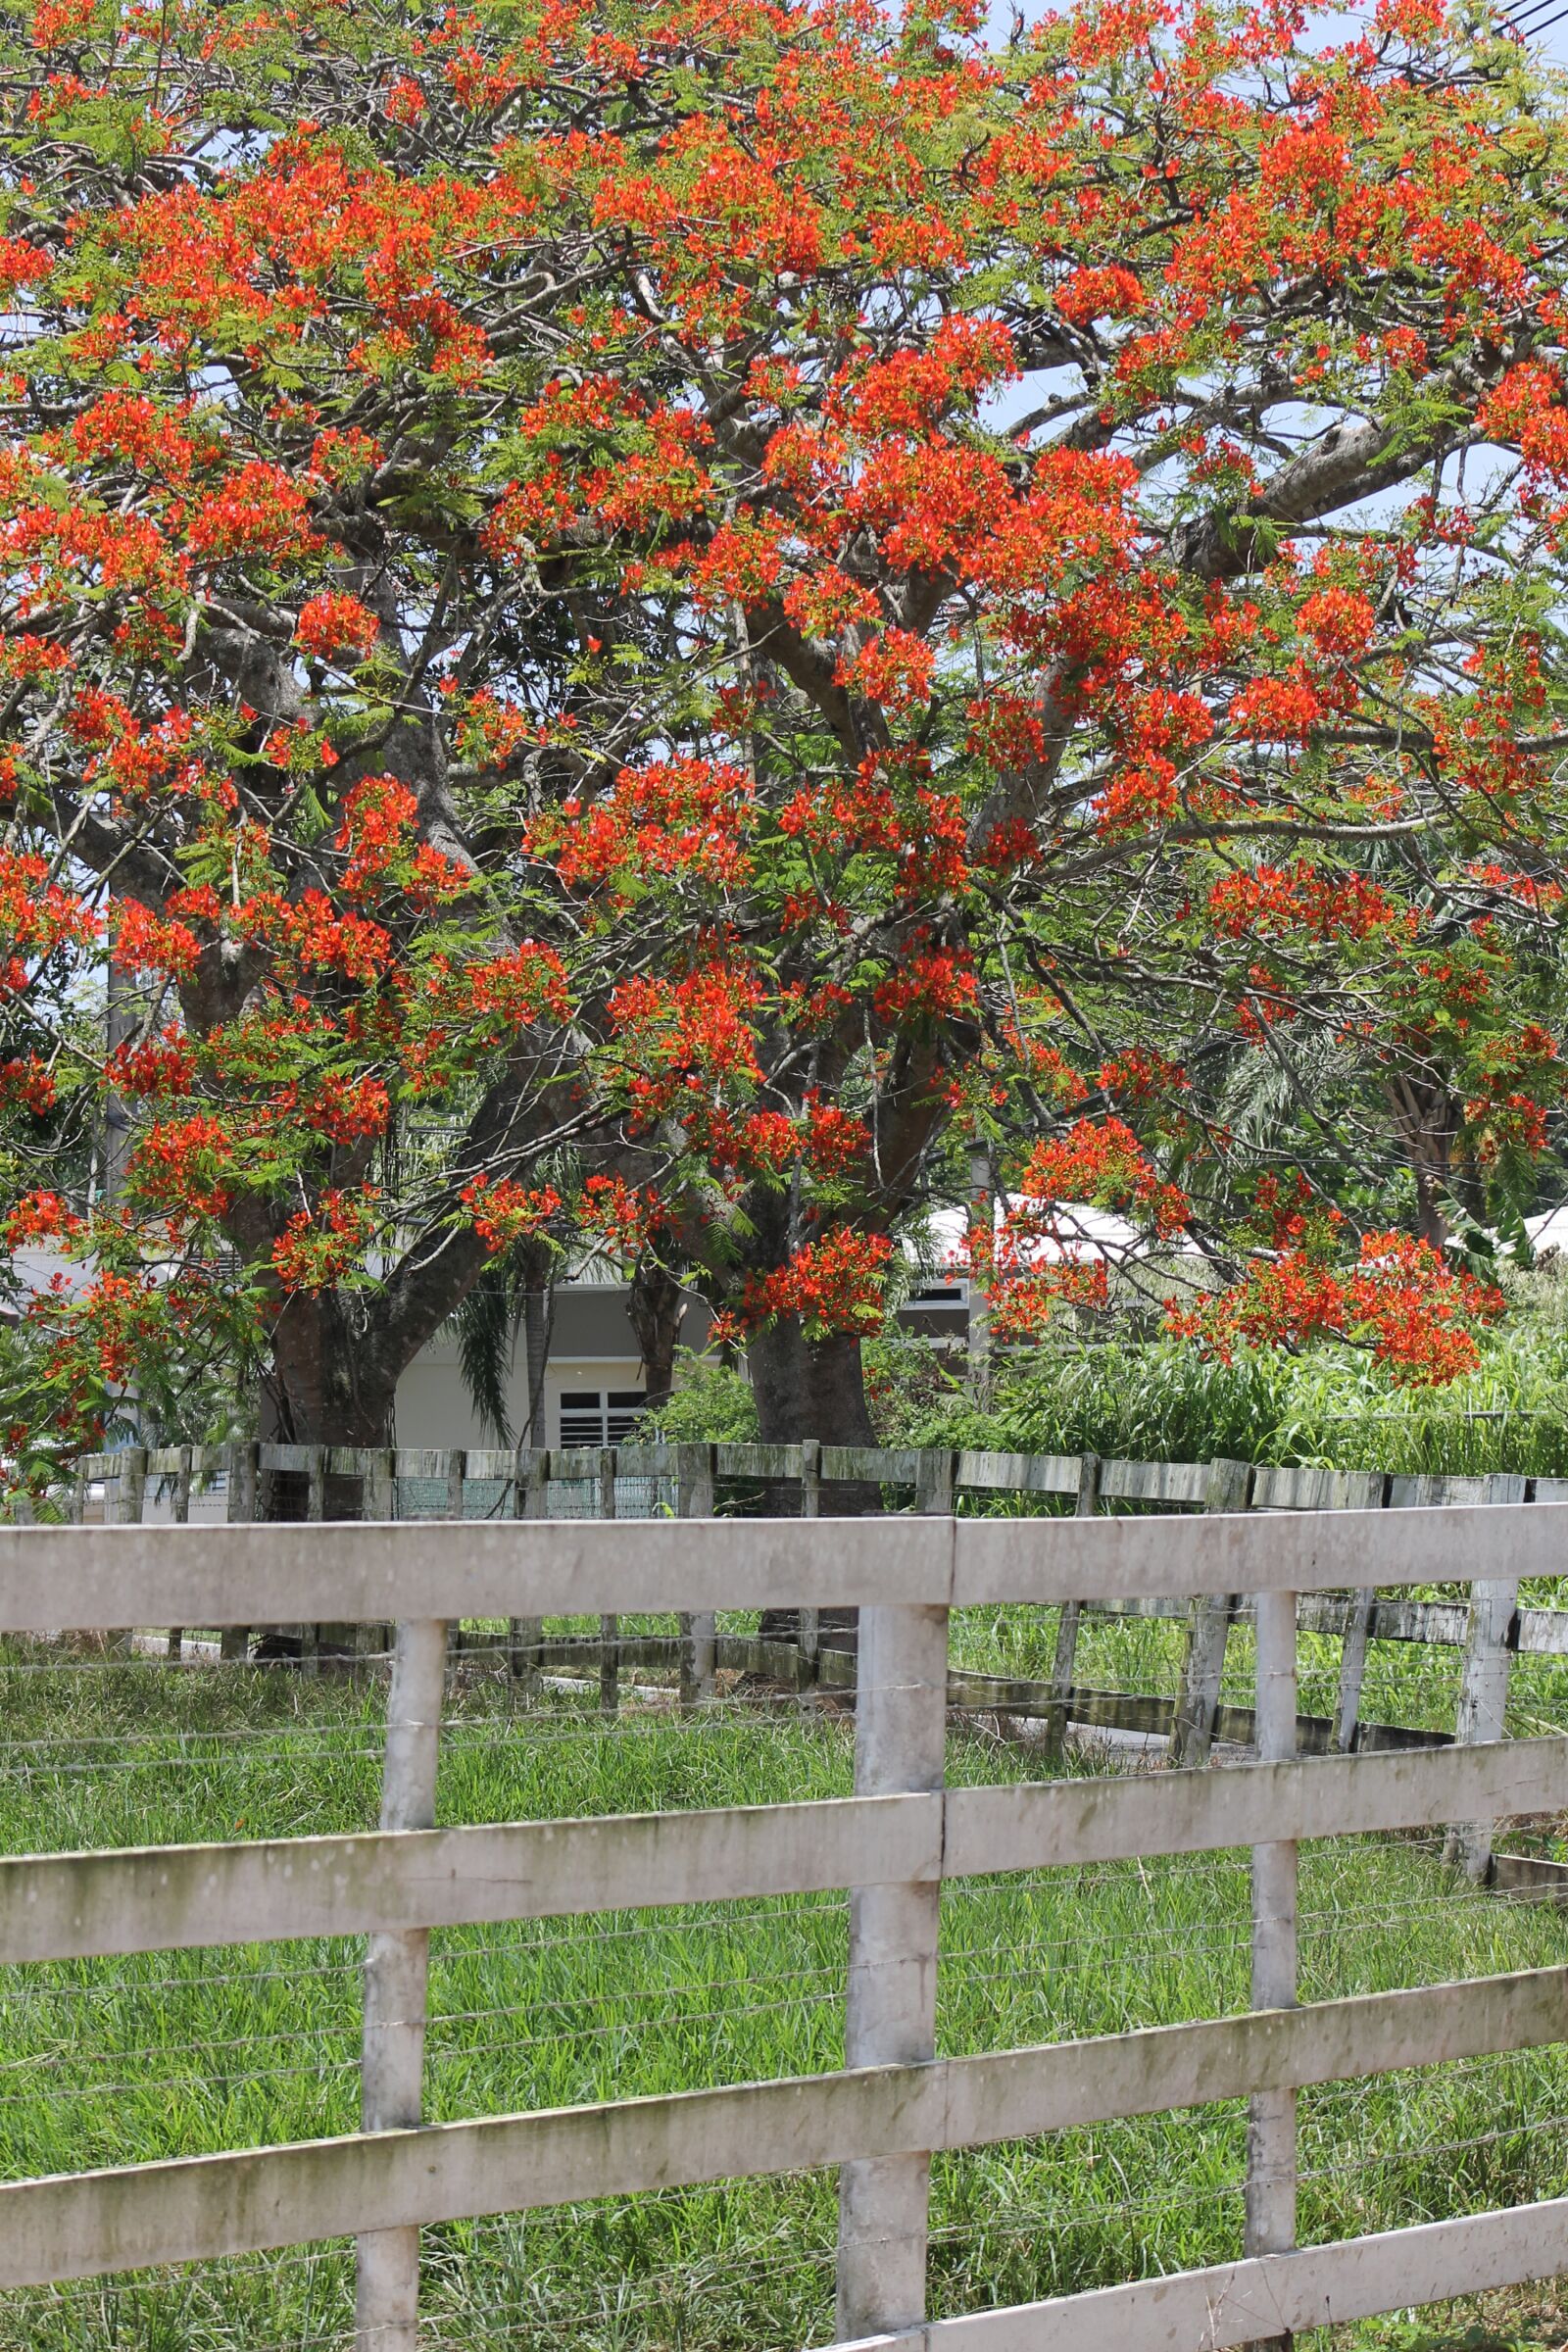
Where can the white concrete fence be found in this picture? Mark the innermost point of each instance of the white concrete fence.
(892, 1843)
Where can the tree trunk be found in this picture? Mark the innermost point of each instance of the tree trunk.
(323, 1388)
(122, 1019)
(808, 1387)
(1430, 1120)
(327, 1384)
(657, 1309)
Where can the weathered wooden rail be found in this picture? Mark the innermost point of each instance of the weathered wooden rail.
(696, 1481)
(892, 1843)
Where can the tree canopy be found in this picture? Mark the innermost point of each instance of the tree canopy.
(642, 621)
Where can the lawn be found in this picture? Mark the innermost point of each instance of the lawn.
(121, 2061)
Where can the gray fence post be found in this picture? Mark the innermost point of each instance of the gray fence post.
(130, 1502)
(1064, 1664)
(181, 1507)
(933, 1482)
(810, 1620)
(1353, 1670)
(316, 1516)
(1270, 2226)
(456, 1472)
(694, 1500)
(609, 1626)
(397, 1972)
(1483, 1709)
(239, 1510)
(333, 1638)
(890, 2018)
(1208, 1623)
(531, 1499)
(378, 1497)
(378, 1504)
(1365, 1491)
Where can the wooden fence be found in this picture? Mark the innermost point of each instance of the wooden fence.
(892, 1843)
(696, 1481)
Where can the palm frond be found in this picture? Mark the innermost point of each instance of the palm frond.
(486, 1326)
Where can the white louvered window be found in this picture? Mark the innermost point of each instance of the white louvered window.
(599, 1416)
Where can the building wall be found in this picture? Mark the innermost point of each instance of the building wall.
(593, 1353)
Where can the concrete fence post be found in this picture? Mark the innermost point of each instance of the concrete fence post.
(1353, 1670)
(1229, 1487)
(316, 1515)
(1270, 2224)
(1064, 1664)
(132, 1502)
(890, 2019)
(1364, 1491)
(397, 1972)
(610, 1624)
(1483, 1709)
(810, 1620)
(181, 1511)
(239, 1510)
(934, 1477)
(531, 1499)
(457, 1473)
(695, 1500)
(378, 1506)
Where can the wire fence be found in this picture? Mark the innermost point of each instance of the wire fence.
(128, 2059)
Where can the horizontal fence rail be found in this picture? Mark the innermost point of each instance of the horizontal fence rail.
(694, 1481)
(98, 1577)
(1165, 1486)
(176, 1899)
(200, 2207)
(891, 1845)
(1276, 2295)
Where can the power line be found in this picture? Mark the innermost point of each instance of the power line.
(1520, 25)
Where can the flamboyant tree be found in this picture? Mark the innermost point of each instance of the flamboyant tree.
(631, 620)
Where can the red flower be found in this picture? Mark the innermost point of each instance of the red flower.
(834, 1285)
(332, 623)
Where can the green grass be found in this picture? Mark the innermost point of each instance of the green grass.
(128, 2060)
(1158, 1400)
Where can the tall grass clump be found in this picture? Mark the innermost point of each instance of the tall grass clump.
(1144, 1398)
(1163, 1400)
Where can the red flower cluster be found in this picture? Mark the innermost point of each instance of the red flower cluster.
(513, 992)
(623, 1216)
(376, 830)
(1272, 901)
(28, 1083)
(42, 1217)
(260, 511)
(1023, 1305)
(334, 623)
(685, 1038)
(1416, 1313)
(834, 1285)
(1101, 1160)
(678, 817)
(186, 1165)
(319, 1246)
(161, 1065)
(505, 1211)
